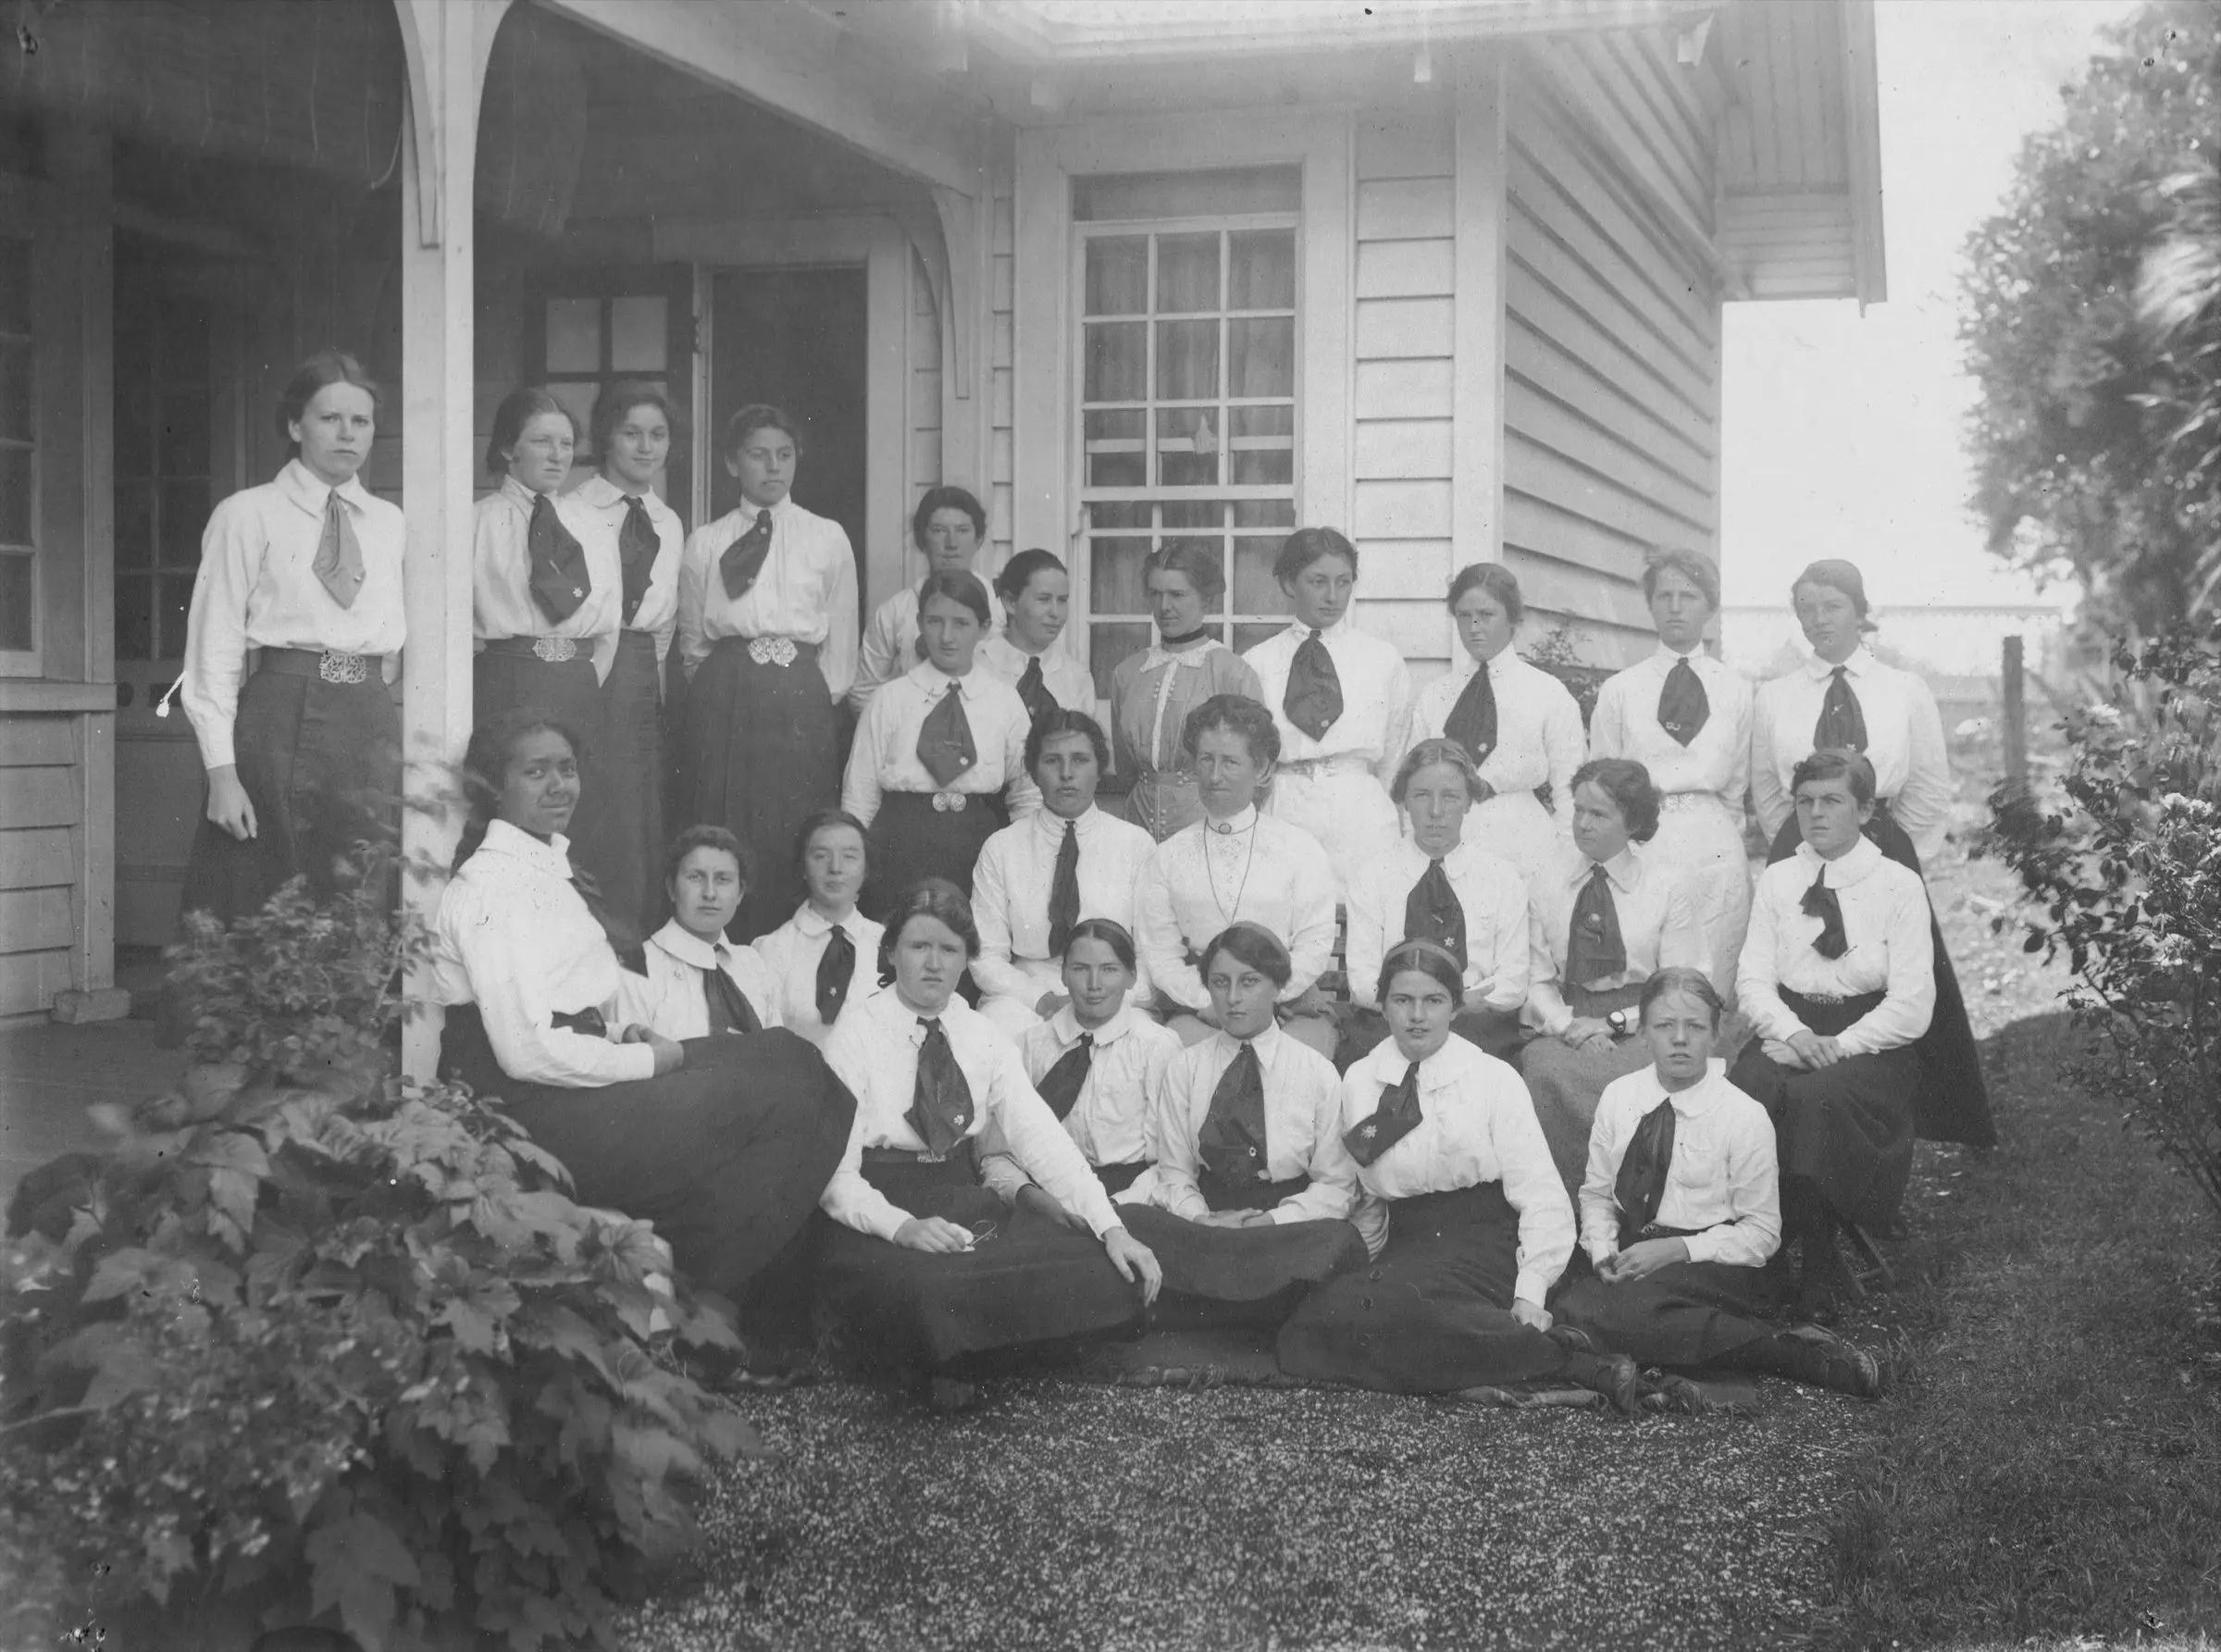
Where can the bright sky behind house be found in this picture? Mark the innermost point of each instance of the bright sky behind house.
(1845, 436)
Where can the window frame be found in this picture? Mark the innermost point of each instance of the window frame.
(17, 197)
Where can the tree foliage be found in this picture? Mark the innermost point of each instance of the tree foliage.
(2076, 441)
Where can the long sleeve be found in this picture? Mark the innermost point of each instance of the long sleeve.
(694, 590)
(1332, 1194)
(1923, 805)
(1162, 946)
(1754, 1190)
(1909, 1000)
(992, 969)
(1568, 749)
(860, 789)
(1000, 1174)
(1532, 1186)
(1768, 795)
(1311, 932)
(1365, 945)
(215, 628)
(1023, 795)
(837, 658)
(876, 662)
(1599, 1187)
(1609, 733)
(1511, 967)
(1177, 1161)
(513, 1002)
(1396, 727)
(1546, 1005)
(1757, 969)
(1021, 1126)
(1681, 934)
(849, 1198)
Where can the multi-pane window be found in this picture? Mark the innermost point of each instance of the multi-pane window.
(164, 482)
(18, 547)
(1187, 400)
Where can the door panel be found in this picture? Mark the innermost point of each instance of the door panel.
(587, 328)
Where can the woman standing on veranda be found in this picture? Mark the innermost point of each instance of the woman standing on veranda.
(949, 527)
(1152, 692)
(767, 638)
(302, 755)
(1515, 722)
(1034, 594)
(1686, 718)
(632, 429)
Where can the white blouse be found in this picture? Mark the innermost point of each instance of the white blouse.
(513, 937)
(1494, 902)
(1303, 1130)
(501, 581)
(1658, 925)
(805, 590)
(1722, 1182)
(658, 612)
(256, 589)
(1375, 724)
(1885, 920)
(1904, 743)
(1538, 727)
(1204, 877)
(791, 952)
(1069, 682)
(1010, 887)
(884, 757)
(890, 640)
(1114, 1119)
(670, 1000)
(1477, 1125)
(1717, 760)
(873, 1050)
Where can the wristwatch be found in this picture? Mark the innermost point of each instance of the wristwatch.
(1622, 1022)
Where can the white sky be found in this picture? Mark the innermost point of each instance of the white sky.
(1845, 436)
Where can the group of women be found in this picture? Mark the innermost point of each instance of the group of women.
(975, 1049)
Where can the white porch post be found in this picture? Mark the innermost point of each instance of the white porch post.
(447, 44)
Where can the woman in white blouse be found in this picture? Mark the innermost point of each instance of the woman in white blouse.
(767, 638)
(1435, 885)
(724, 1144)
(632, 427)
(700, 983)
(821, 959)
(949, 530)
(1343, 702)
(1601, 921)
(925, 1264)
(1681, 1209)
(1838, 979)
(1478, 1227)
(303, 576)
(1254, 1199)
(546, 599)
(1515, 721)
(939, 765)
(1035, 593)
(1686, 718)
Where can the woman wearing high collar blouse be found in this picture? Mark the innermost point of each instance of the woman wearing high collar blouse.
(1686, 718)
(302, 575)
(1478, 1227)
(1515, 721)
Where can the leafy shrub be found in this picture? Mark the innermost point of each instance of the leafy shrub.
(316, 1344)
(2126, 860)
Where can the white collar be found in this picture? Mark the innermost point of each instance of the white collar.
(688, 947)
(517, 494)
(745, 509)
(1159, 654)
(1298, 630)
(1860, 663)
(513, 843)
(1854, 865)
(1241, 823)
(1699, 1099)
(1053, 825)
(1666, 656)
(598, 489)
(934, 680)
(808, 921)
(1266, 1043)
(1623, 871)
(1384, 1063)
(310, 491)
(1067, 1027)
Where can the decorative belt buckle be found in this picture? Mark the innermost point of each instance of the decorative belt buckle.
(554, 649)
(772, 651)
(344, 668)
(948, 803)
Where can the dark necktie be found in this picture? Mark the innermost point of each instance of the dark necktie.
(1641, 1185)
(1064, 891)
(339, 561)
(1683, 706)
(1039, 701)
(944, 740)
(940, 1105)
(1594, 947)
(559, 581)
(1231, 1141)
(836, 969)
(1842, 724)
(1396, 1117)
(1314, 696)
(729, 1009)
(1432, 912)
(624, 939)
(1472, 721)
(1821, 902)
(1060, 1085)
(743, 559)
(638, 546)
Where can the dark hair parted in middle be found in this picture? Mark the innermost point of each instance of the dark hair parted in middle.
(1111, 932)
(1239, 714)
(824, 820)
(759, 416)
(1018, 573)
(946, 497)
(1630, 787)
(1198, 564)
(327, 366)
(519, 408)
(1254, 945)
(1679, 977)
(1430, 960)
(1426, 754)
(1493, 579)
(1692, 565)
(1050, 724)
(1836, 762)
(957, 587)
(934, 898)
(708, 837)
(1306, 545)
(620, 399)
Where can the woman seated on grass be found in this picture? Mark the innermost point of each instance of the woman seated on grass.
(724, 1144)
(924, 1265)
(1478, 1225)
(1680, 1214)
(1254, 1196)
(820, 957)
(699, 984)
(1098, 1063)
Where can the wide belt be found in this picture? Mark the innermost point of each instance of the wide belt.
(331, 665)
(548, 650)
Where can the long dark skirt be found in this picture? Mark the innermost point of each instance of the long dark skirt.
(1849, 1127)
(1689, 1313)
(1241, 1275)
(728, 1156)
(1434, 1312)
(632, 781)
(1117, 1178)
(1954, 1100)
(1566, 1084)
(505, 678)
(911, 840)
(1035, 1281)
(760, 754)
(1497, 1032)
(321, 764)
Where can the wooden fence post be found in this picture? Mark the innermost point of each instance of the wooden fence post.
(2016, 734)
